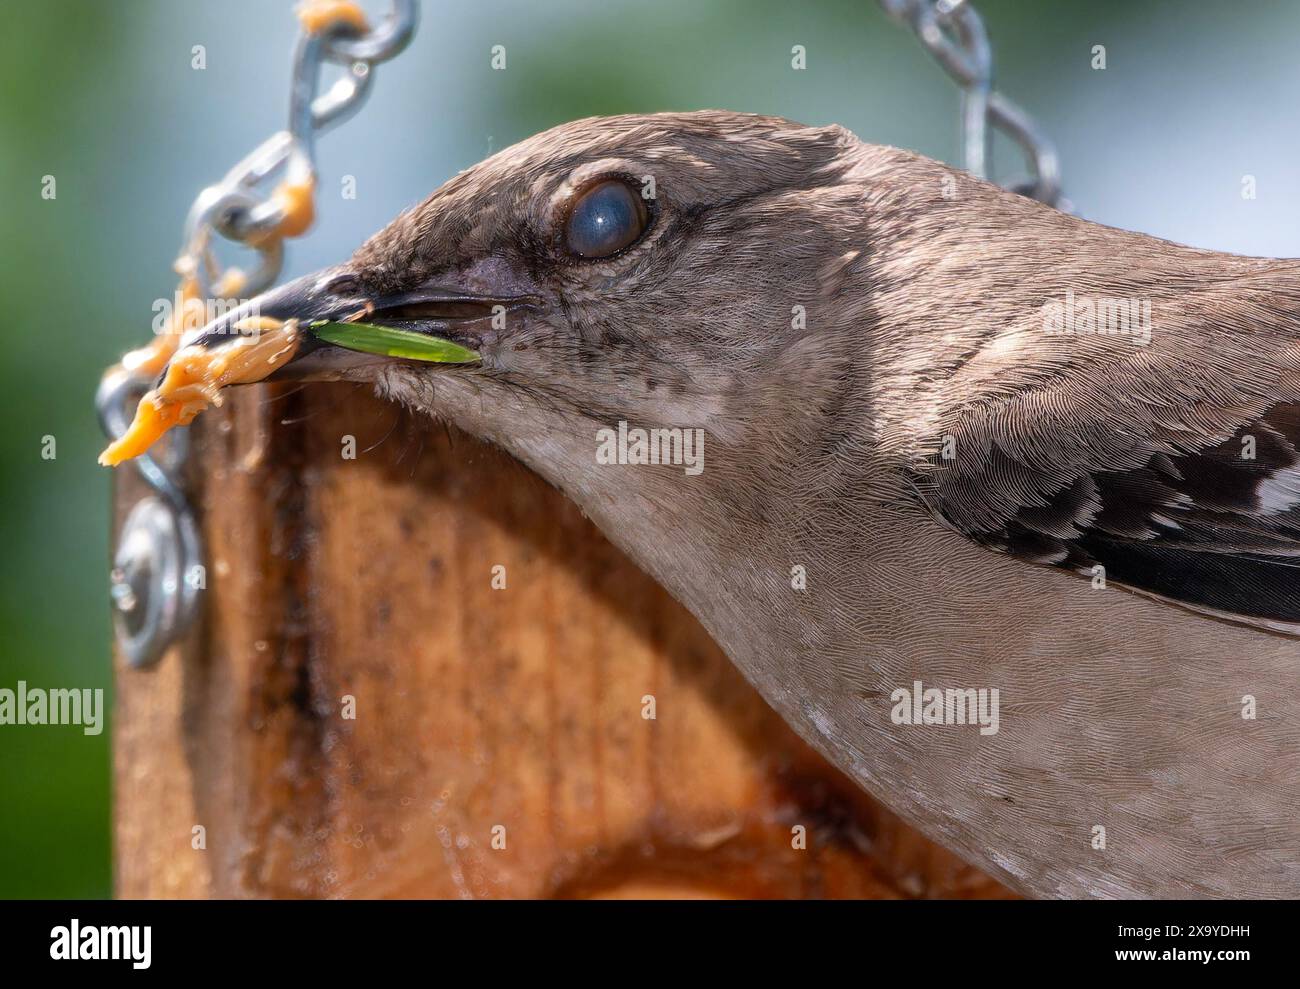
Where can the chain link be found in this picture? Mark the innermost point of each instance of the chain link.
(954, 34)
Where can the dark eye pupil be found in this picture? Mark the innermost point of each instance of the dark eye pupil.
(605, 220)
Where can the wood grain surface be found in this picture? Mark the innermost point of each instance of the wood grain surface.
(484, 717)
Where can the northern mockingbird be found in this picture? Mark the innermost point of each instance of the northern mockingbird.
(996, 506)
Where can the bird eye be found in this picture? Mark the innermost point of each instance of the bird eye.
(604, 220)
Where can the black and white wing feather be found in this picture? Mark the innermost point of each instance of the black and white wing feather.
(1176, 467)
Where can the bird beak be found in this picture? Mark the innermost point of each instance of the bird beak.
(442, 309)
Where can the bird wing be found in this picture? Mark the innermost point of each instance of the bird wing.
(1174, 465)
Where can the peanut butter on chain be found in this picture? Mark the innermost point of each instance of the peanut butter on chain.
(195, 377)
(318, 16)
(298, 208)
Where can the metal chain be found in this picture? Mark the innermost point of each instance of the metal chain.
(954, 34)
(233, 207)
(157, 568)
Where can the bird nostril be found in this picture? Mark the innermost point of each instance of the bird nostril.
(343, 284)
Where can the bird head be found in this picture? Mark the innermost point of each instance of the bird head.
(644, 269)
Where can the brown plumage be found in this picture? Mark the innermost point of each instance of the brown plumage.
(861, 334)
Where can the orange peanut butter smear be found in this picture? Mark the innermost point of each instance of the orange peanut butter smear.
(297, 202)
(318, 16)
(195, 377)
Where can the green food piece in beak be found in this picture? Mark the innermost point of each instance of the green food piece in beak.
(391, 342)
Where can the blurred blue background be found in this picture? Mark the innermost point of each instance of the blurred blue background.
(1196, 94)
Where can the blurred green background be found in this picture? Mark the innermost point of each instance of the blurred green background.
(102, 96)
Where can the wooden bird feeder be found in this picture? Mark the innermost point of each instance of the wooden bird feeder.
(359, 712)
